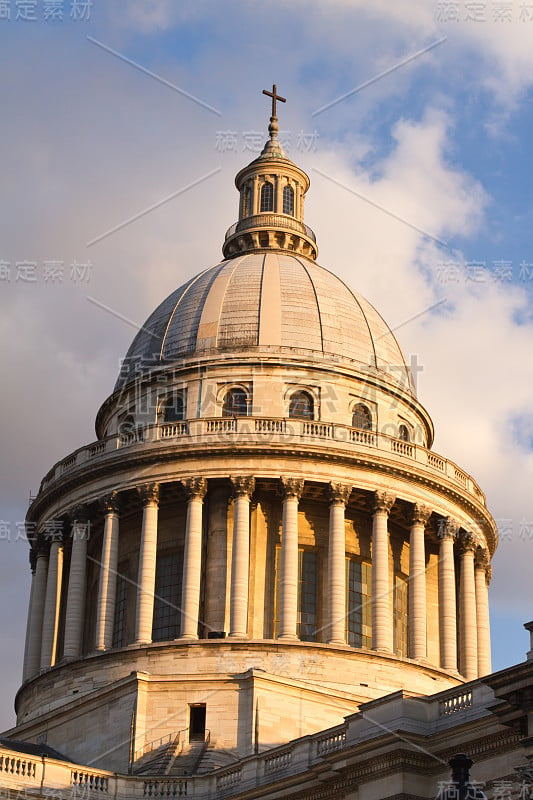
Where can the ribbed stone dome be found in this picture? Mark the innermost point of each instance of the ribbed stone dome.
(272, 301)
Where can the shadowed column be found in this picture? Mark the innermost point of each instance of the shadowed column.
(147, 563)
(339, 495)
(291, 490)
(467, 599)
(34, 631)
(417, 584)
(51, 602)
(482, 574)
(192, 558)
(243, 488)
(447, 600)
(77, 581)
(382, 631)
(107, 586)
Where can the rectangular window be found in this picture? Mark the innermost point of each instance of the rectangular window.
(400, 615)
(307, 595)
(358, 599)
(167, 601)
(121, 601)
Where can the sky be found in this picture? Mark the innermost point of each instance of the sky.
(123, 126)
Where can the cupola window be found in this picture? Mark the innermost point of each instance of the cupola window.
(247, 201)
(267, 197)
(362, 417)
(288, 200)
(235, 403)
(403, 433)
(301, 406)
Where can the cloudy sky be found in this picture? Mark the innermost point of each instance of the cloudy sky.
(413, 120)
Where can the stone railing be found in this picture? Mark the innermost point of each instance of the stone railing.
(269, 220)
(18, 766)
(456, 702)
(332, 742)
(260, 430)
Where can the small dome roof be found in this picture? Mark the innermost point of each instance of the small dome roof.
(272, 301)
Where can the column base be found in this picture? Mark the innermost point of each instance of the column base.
(187, 637)
(337, 641)
(288, 637)
(237, 636)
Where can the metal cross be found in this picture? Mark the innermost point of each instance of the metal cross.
(275, 96)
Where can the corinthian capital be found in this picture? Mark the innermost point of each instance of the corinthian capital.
(110, 504)
(482, 559)
(421, 514)
(291, 487)
(195, 487)
(243, 485)
(339, 493)
(149, 493)
(467, 543)
(383, 502)
(447, 529)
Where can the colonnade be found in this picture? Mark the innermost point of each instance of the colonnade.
(469, 604)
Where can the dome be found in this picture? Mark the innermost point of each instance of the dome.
(273, 301)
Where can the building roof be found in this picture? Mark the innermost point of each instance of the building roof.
(268, 300)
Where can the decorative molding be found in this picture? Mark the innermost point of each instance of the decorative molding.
(291, 487)
(339, 493)
(195, 488)
(467, 543)
(243, 485)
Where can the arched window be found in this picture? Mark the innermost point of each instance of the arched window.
(174, 408)
(403, 433)
(235, 403)
(361, 417)
(247, 201)
(267, 197)
(288, 200)
(301, 406)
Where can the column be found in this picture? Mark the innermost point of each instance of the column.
(107, 586)
(291, 490)
(51, 602)
(77, 582)
(447, 602)
(243, 488)
(216, 568)
(339, 494)
(467, 616)
(417, 584)
(192, 558)
(34, 630)
(482, 575)
(382, 618)
(147, 561)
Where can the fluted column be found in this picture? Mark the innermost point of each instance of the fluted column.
(291, 490)
(243, 488)
(147, 563)
(482, 574)
(467, 600)
(447, 600)
(192, 558)
(417, 584)
(77, 582)
(34, 630)
(382, 618)
(339, 494)
(107, 586)
(51, 603)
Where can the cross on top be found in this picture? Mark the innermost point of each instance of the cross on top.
(275, 96)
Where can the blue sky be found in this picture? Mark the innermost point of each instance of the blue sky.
(435, 158)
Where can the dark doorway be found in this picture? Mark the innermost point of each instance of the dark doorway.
(197, 723)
